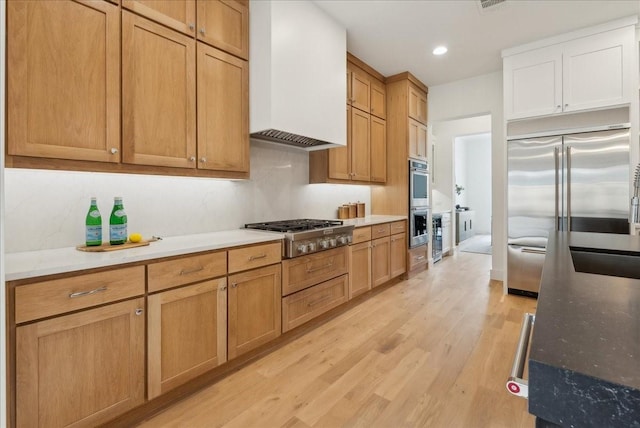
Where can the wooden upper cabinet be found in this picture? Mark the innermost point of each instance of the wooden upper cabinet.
(177, 14)
(158, 95)
(340, 158)
(360, 149)
(360, 91)
(81, 369)
(223, 111)
(378, 100)
(417, 105)
(417, 140)
(224, 24)
(63, 80)
(378, 144)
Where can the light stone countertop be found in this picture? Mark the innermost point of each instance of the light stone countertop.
(33, 264)
(373, 219)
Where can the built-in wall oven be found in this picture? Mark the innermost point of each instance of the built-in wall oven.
(418, 203)
(418, 184)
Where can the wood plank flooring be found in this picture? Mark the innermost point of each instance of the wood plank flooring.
(432, 351)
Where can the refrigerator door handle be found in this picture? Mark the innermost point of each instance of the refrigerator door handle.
(556, 156)
(533, 250)
(568, 188)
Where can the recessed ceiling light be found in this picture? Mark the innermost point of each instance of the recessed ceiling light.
(440, 50)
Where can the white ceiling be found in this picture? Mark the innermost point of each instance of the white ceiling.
(394, 36)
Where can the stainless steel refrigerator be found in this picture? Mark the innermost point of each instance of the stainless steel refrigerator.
(572, 182)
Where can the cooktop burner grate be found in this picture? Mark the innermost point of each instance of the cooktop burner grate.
(290, 226)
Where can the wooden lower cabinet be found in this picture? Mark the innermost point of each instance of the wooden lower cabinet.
(418, 257)
(254, 316)
(380, 266)
(187, 334)
(307, 304)
(81, 369)
(359, 268)
(302, 272)
(398, 254)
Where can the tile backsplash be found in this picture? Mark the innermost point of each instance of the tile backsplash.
(46, 209)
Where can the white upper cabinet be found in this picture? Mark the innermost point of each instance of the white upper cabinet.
(590, 72)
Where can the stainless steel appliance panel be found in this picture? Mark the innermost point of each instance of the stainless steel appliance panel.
(418, 184)
(418, 228)
(597, 179)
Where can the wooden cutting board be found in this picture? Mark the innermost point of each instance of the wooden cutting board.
(108, 247)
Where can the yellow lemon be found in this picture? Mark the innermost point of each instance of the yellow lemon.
(135, 237)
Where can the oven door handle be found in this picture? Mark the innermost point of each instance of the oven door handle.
(516, 385)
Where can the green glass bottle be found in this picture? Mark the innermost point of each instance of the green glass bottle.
(118, 223)
(93, 225)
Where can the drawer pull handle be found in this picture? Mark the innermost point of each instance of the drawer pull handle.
(330, 264)
(420, 257)
(260, 256)
(190, 271)
(310, 304)
(87, 293)
(516, 384)
(139, 311)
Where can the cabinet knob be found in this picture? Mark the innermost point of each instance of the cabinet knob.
(224, 287)
(192, 26)
(192, 159)
(202, 31)
(566, 105)
(139, 311)
(559, 106)
(203, 159)
(113, 150)
(234, 285)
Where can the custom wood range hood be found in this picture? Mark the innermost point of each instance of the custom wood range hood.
(297, 80)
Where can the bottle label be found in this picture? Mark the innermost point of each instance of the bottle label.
(94, 235)
(118, 233)
(94, 213)
(119, 213)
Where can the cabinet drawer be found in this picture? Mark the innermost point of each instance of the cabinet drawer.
(303, 272)
(47, 298)
(186, 270)
(361, 234)
(253, 257)
(308, 304)
(380, 230)
(398, 227)
(417, 257)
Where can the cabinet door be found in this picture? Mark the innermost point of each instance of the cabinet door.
(378, 100)
(381, 270)
(360, 91)
(446, 232)
(187, 334)
(179, 15)
(417, 140)
(359, 268)
(158, 95)
(378, 150)
(596, 70)
(340, 158)
(360, 155)
(398, 254)
(223, 111)
(84, 368)
(224, 24)
(254, 309)
(533, 83)
(417, 105)
(63, 80)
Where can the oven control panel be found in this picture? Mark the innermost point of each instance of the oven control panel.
(313, 245)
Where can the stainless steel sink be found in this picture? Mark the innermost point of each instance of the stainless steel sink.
(606, 262)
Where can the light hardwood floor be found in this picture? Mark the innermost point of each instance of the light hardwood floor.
(432, 351)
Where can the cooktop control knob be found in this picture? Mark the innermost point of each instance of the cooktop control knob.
(324, 244)
(312, 246)
(333, 242)
(342, 240)
(302, 248)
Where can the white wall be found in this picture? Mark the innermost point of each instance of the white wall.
(46, 209)
(477, 181)
(480, 95)
(460, 172)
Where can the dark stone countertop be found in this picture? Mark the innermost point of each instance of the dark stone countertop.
(584, 361)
